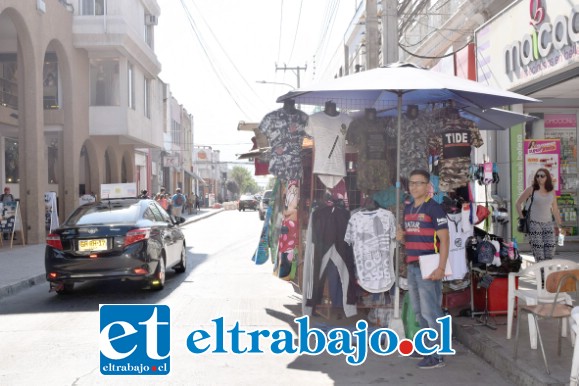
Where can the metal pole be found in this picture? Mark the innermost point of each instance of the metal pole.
(396, 261)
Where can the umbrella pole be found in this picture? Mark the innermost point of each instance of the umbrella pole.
(397, 257)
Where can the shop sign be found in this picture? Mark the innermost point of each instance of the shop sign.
(528, 41)
(542, 39)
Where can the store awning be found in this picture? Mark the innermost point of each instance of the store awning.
(195, 176)
(253, 153)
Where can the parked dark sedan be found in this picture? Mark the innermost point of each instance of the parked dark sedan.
(126, 239)
(247, 202)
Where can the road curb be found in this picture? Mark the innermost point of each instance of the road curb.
(205, 215)
(13, 288)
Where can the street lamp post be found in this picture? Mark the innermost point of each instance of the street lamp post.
(278, 83)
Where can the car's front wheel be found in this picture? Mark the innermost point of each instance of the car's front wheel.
(158, 280)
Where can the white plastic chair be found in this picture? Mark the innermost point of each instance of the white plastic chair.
(574, 378)
(537, 295)
(559, 282)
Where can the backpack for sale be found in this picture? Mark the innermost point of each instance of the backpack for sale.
(179, 200)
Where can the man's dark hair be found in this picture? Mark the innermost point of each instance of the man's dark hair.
(420, 172)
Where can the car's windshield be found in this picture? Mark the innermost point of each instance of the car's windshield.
(267, 194)
(105, 213)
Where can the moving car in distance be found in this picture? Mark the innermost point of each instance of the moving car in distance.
(263, 204)
(247, 201)
(124, 238)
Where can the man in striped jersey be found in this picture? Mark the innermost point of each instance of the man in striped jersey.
(425, 232)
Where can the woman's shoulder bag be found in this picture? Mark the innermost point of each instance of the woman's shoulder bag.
(525, 222)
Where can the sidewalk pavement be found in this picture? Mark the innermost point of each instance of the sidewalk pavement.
(23, 267)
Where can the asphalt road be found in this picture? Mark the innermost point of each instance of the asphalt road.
(54, 340)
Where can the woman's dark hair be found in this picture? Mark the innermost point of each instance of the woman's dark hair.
(548, 182)
(420, 172)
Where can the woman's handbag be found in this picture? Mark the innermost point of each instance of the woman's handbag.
(525, 222)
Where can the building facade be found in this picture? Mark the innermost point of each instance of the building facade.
(79, 93)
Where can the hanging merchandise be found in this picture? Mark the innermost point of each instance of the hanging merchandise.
(284, 129)
(456, 251)
(329, 128)
(324, 244)
(372, 234)
(262, 253)
(369, 137)
(288, 238)
(417, 127)
(453, 143)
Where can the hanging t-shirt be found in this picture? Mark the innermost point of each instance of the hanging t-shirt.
(369, 137)
(285, 132)
(414, 134)
(457, 247)
(370, 234)
(330, 146)
(453, 144)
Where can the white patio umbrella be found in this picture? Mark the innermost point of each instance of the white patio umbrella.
(485, 119)
(401, 84)
(494, 118)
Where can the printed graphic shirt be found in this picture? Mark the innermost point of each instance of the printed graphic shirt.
(369, 137)
(420, 224)
(329, 135)
(285, 132)
(413, 141)
(457, 248)
(370, 234)
(453, 143)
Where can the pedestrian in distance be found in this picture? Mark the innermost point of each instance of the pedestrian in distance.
(197, 203)
(425, 219)
(6, 196)
(177, 202)
(144, 194)
(543, 210)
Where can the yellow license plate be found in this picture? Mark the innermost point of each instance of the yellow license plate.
(92, 245)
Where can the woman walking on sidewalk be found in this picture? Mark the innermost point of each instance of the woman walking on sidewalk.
(543, 210)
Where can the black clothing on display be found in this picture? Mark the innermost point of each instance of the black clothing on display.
(329, 226)
(330, 109)
(289, 105)
(368, 135)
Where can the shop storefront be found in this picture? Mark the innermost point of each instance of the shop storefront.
(532, 48)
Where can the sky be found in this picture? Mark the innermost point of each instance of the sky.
(212, 59)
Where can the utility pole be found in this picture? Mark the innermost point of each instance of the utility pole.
(296, 69)
(371, 34)
(389, 32)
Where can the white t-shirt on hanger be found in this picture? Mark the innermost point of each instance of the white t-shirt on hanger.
(330, 146)
(457, 247)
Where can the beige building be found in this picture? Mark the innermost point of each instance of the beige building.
(79, 93)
